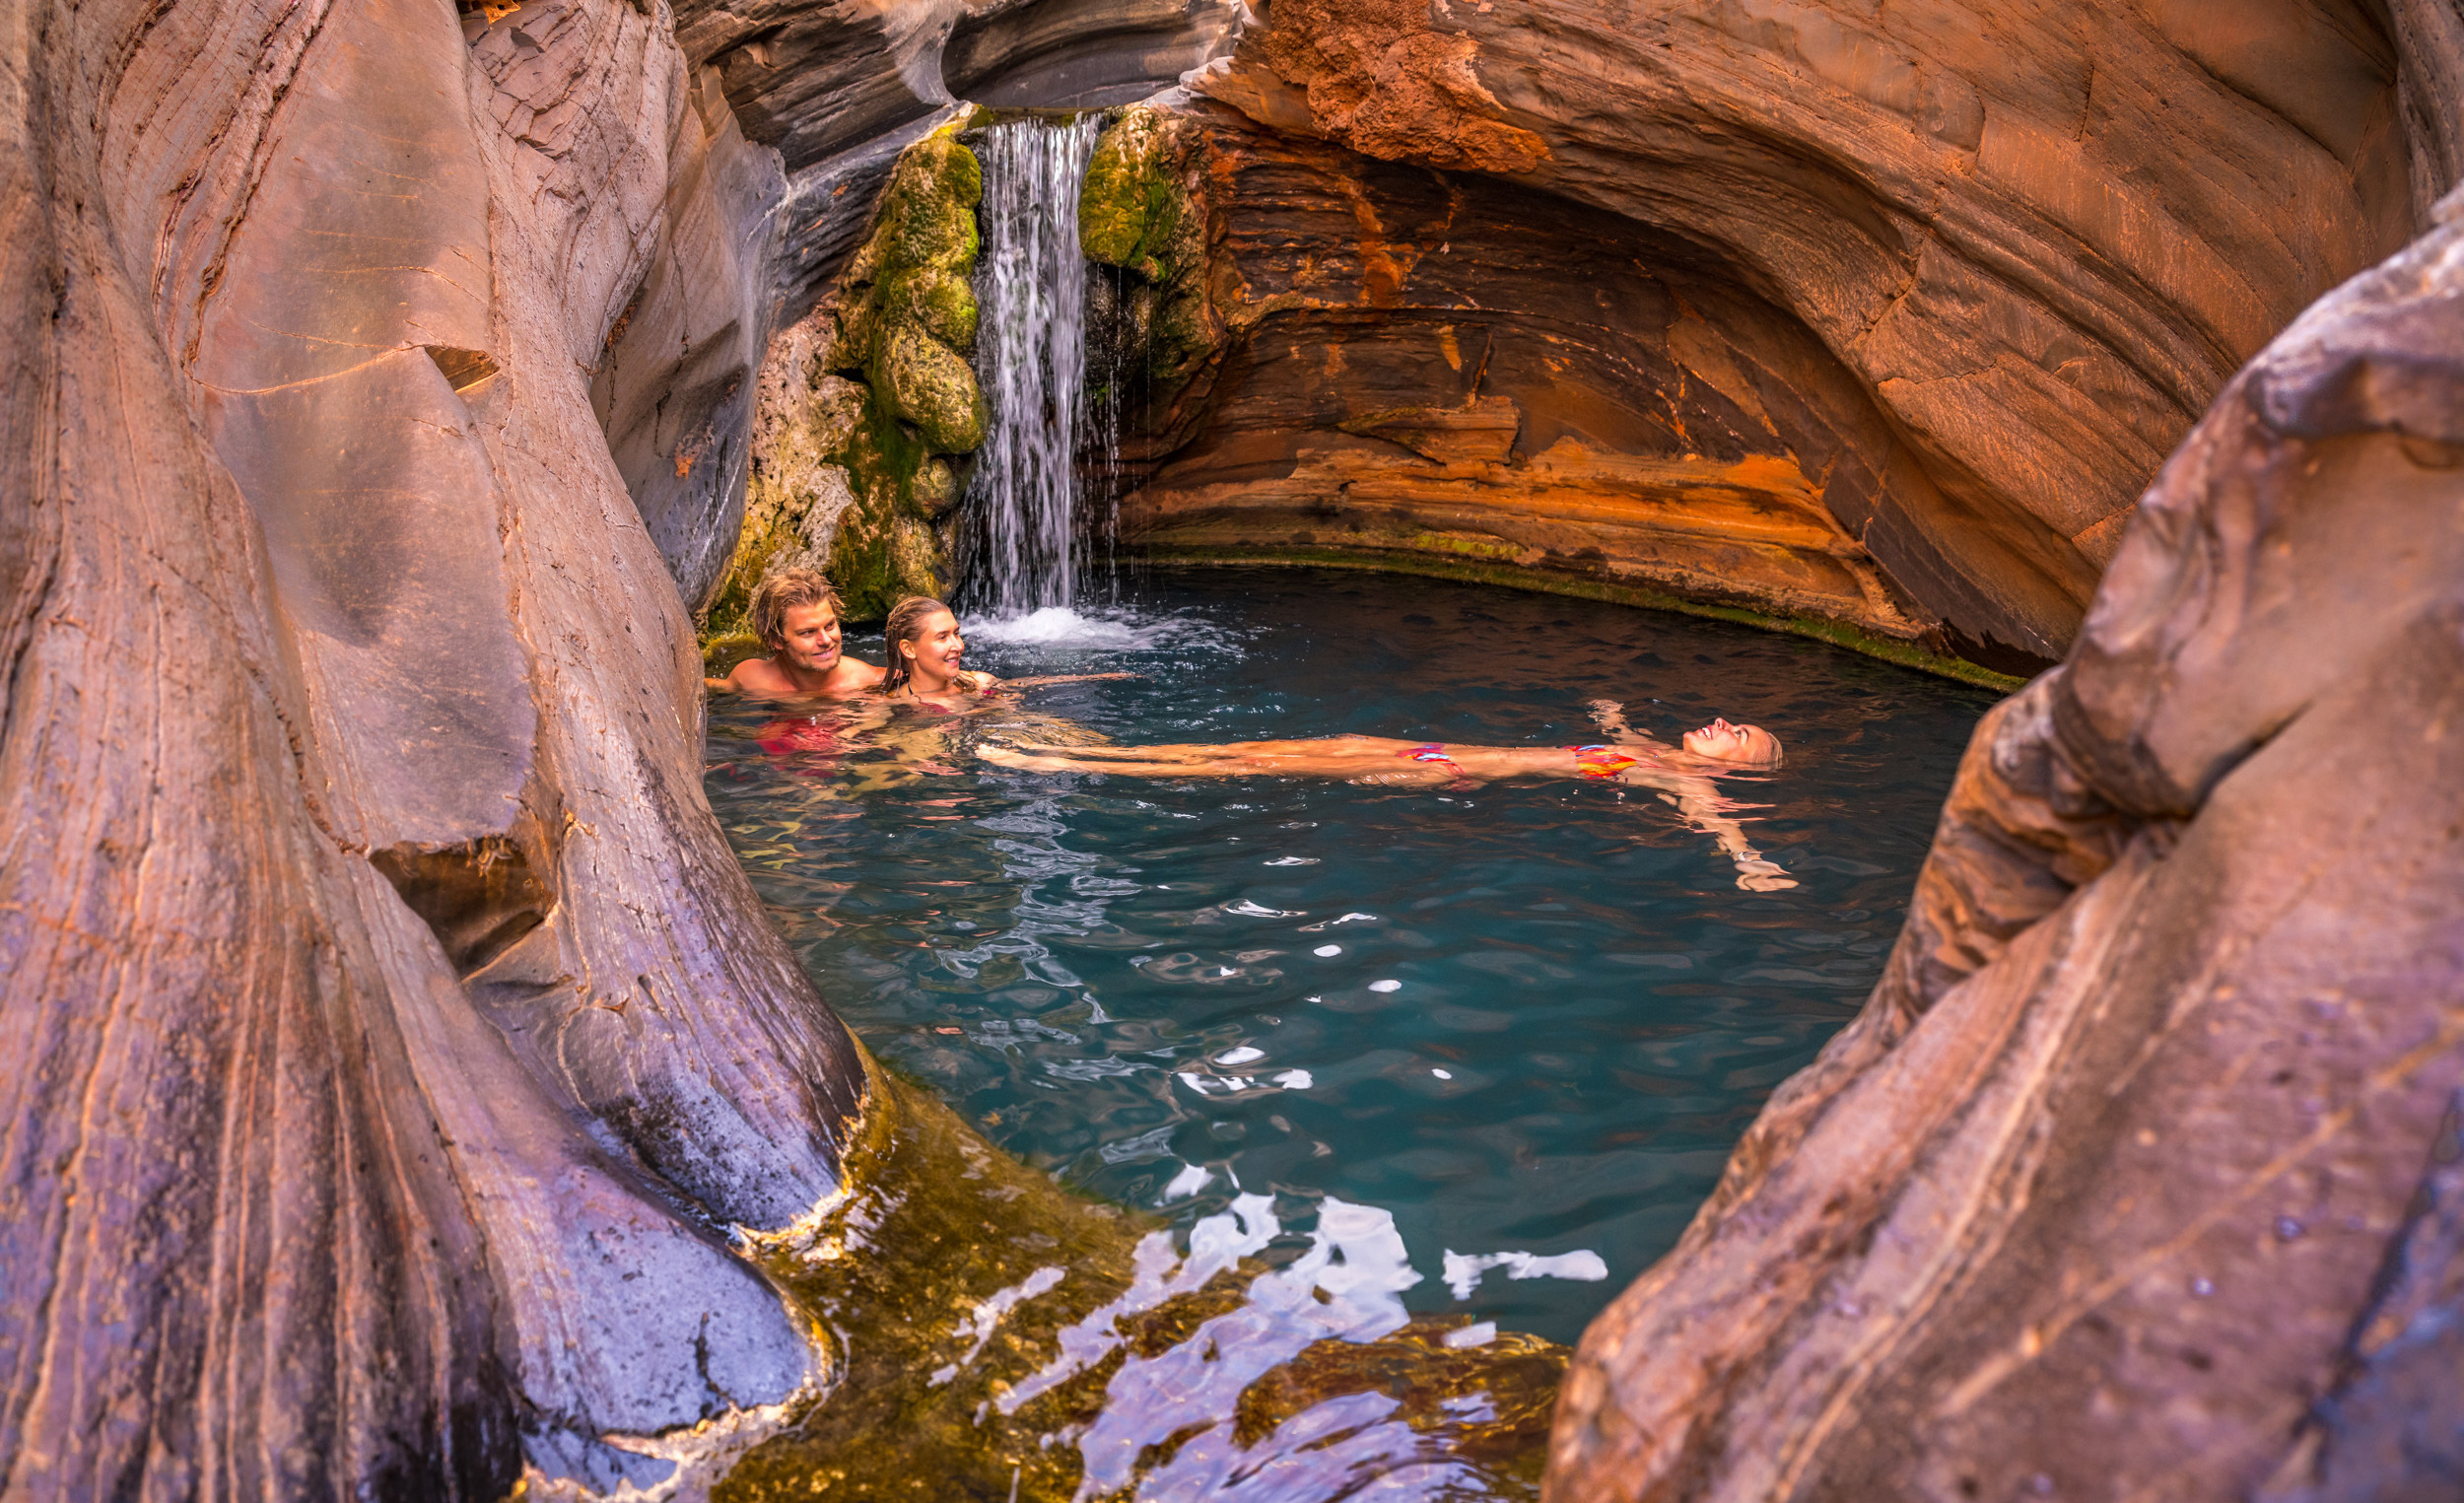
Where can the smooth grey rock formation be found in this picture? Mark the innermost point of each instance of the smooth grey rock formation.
(394, 1037)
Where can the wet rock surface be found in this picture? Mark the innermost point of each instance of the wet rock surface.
(2136, 1176)
(1489, 375)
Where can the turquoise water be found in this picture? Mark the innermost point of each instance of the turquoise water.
(1526, 1023)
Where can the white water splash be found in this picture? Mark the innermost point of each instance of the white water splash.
(1031, 359)
(1104, 630)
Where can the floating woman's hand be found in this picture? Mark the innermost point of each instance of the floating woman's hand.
(1755, 875)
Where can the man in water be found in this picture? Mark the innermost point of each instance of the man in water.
(795, 614)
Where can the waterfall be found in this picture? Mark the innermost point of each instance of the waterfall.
(1031, 358)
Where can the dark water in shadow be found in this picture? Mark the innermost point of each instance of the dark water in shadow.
(1493, 1045)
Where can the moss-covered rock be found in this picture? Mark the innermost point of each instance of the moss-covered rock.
(935, 491)
(1132, 209)
(904, 322)
(884, 548)
(930, 386)
(1152, 325)
(941, 303)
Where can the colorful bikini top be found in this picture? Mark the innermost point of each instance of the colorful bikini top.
(1602, 761)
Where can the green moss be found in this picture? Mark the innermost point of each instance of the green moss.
(906, 321)
(939, 303)
(929, 385)
(874, 559)
(722, 653)
(898, 1276)
(1837, 633)
(1136, 210)
(934, 490)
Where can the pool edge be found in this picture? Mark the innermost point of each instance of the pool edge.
(1837, 634)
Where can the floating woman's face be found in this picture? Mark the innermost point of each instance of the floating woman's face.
(1723, 743)
(936, 648)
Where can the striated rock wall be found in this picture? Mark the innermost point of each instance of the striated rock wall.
(2136, 1176)
(1385, 360)
(393, 1036)
(2032, 241)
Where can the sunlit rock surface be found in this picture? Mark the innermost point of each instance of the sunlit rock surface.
(1968, 270)
(2139, 1174)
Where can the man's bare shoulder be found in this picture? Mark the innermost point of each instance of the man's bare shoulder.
(760, 678)
(854, 675)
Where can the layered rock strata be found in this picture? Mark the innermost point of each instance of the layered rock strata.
(1977, 268)
(1371, 358)
(2138, 1175)
(393, 1037)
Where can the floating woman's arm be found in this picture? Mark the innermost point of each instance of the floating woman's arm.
(986, 682)
(1698, 801)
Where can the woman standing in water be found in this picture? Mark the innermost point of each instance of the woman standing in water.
(1683, 774)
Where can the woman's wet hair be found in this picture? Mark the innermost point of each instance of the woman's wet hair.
(778, 593)
(905, 623)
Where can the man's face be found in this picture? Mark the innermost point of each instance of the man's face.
(811, 636)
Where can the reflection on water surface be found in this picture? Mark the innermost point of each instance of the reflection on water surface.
(1362, 1069)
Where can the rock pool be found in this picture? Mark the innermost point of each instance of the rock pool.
(1483, 1051)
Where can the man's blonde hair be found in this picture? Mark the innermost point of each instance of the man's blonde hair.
(780, 592)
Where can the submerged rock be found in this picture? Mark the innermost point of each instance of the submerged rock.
(999, 1336)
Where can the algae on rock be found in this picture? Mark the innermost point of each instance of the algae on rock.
(1152, 324)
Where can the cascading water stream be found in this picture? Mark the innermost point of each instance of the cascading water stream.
(1031, 359)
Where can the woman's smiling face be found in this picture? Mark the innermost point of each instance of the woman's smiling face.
(935, 650)
(1723, 743)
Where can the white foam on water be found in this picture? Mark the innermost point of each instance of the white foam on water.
(1103, 629)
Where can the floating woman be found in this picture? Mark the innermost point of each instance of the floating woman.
(1683, 774)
